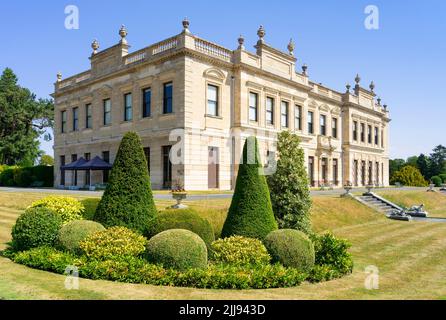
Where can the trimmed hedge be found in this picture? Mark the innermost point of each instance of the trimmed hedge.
(90, 205)
(292, 248)
(128, 200)
(136, 270)
(177, 249)
(116, 242)
(67, 208)
(71, 234)
(332, 252)
(37, 176)
(250, 214)
(237, 250)
(436, 180)
(35, 227)
(183, 219)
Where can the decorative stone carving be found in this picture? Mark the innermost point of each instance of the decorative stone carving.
(372, 86)
(241, 41)
(95, 46)
(59, 77)
(186, 24)
(261, 33)
(304, 69)
(123, 33)
(348, 86)
(357, 79)
(291, 47)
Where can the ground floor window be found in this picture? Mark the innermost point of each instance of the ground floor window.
(335, 172)
(147, 154)
(311, 170)
(105, 173)
(324, 170)
(167, 167)
(355, 172)
(370, 172)
(363, 173)
(213, 167)
(62, 172)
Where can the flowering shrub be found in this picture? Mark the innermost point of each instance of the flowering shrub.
(67, 208)
(238, 250)
(116, 242)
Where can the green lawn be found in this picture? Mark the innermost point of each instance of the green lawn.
(411, 257)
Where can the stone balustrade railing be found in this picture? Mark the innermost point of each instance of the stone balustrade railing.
(165, 45)
(212, 49)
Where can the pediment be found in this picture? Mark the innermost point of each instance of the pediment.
(215, 74)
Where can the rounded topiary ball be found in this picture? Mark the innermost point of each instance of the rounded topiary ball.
(178, 249)
(290, 247)
(71, 234)
(183, 219)
(36, 227)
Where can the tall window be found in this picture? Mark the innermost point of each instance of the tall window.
(377, 173)
(167, 167)
(363, 173)
(324, 169)
(376, 136)
(62, 172)
(382, 138)
(107, 112)
(311, 170)
(253, 105)
(147, 102)
(284, 114)
(335, 172)
(75, 119)
(212, 100)
(355, 130)
(323, 125)
(298, 118)
(334, 127)
(370, 172)
(63, 121)
(147, 154)
(362, 132)
(310, 122)
(128, 112)
(369, 134)
(88, 116)
(106, 158)
(167, 98)
(269, 110)
(74, 176)
(355, 172)
(87, 156)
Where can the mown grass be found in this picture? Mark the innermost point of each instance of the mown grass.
(410, 256)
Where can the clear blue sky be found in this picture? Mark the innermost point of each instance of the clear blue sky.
(405, 57)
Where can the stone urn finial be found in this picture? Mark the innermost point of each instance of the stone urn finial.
(372, 86)
(95, 46)
(261, 33)
(348, 86)
(291, 46)
(357, 79)
(241, 41)
(385, 107)
(186, 24)
(304, 69)
(379, 101)
(59, 76)
(123, 33)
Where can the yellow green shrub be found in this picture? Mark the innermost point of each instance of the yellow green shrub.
(67, 208)
(238, 250)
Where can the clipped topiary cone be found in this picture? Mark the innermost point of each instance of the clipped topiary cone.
(250, 214)
(128, 199)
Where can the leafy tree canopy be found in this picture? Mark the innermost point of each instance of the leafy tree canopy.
(23, 118)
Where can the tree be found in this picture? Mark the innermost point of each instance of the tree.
(46, 160)
(128, 199)
(395, 165)
(250, 214)
(290, 194)
(409, 176)
(438, 161)
(23, 119)
(412, 161)
(423, 165)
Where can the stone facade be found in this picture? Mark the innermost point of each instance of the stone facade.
(219, 97)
